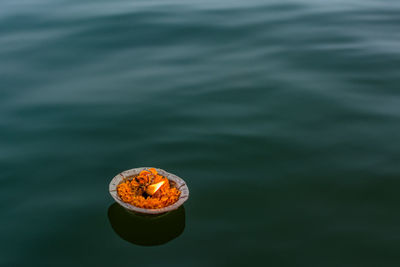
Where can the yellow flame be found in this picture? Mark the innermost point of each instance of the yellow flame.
(152, 189)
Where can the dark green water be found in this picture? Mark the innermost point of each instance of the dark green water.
(282, 116)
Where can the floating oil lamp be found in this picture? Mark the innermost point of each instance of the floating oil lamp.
(148, 190)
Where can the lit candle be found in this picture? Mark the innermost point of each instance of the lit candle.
(152, 189)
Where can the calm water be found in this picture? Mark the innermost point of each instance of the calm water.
(283, 118)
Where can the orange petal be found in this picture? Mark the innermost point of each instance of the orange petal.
(153, 171)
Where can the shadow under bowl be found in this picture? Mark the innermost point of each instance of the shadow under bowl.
(145, 230)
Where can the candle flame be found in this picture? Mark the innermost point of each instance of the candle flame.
(152, 189)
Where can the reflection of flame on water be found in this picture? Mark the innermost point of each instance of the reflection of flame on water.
(146, 230)
(152, 189)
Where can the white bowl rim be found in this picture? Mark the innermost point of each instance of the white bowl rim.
(180, 184)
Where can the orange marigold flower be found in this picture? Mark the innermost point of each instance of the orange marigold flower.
(134, 191)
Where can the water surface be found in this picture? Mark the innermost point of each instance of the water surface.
(282, 117)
